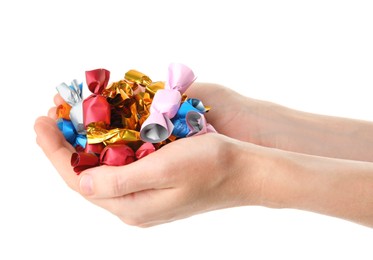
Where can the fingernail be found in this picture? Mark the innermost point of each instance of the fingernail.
(86, 185)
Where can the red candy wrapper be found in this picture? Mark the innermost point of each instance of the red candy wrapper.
(117, 155)
(82, 161)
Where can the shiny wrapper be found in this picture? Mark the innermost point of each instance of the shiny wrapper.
(197, 124)
(73, 96)
(126, 120)
(181, 128)
(166, 102)
(63, 111)
(117, 155)
(96, 108)
(97, 134)
(81, 161)
(144, 150)
(71, 135)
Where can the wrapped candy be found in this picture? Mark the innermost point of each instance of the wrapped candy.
(116, 155)
(144, 150)
(166, 102)
(63, 111)
(181, 128)
(81, 161)
(125, 121)
(68, 130)
(73, 96)
(197, 124)
(95, 107)
(69, 114)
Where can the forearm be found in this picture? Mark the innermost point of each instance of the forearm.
(334, 187)
(273, 125)
(308, 133)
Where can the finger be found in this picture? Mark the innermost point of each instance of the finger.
(58, 100)
(110, 182)
(55, 147)
(52, 113)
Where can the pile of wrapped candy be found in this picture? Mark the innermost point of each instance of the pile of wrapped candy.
(126, 120)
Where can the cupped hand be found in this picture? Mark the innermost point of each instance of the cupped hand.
(184, 178)
(238, 116)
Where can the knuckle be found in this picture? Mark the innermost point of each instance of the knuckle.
(116, 185)
(119, 184)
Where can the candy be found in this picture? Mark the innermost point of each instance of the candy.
(166, 102)
(181, 128)
(96, 108)
(124, 121)
(116, 155)
(73, 96)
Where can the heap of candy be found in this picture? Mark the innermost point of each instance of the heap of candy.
(128, 119)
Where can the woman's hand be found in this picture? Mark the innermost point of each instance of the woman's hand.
(183, 178)
(186, 177)
(231, 113)
(271, 125)
(213, 171)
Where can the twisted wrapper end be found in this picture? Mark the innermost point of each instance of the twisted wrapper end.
(156, 128)
(197, 124)
(81, 161)
(180, 77)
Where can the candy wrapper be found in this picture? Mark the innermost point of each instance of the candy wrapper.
(124, 121)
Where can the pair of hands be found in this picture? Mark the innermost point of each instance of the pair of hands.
(184, 178)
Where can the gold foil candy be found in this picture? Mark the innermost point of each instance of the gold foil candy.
(98, 134)
(137, 77)
(154, 87)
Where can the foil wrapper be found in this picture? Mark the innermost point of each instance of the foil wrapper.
(73, 96)
(166, 102)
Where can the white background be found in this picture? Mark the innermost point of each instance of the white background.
(315, 56)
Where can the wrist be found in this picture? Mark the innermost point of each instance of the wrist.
(273, 178)
(269, 124)
(256, 167)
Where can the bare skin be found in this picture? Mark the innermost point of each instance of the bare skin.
(265, 154)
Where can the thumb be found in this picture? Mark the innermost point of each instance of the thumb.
(116, 181)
